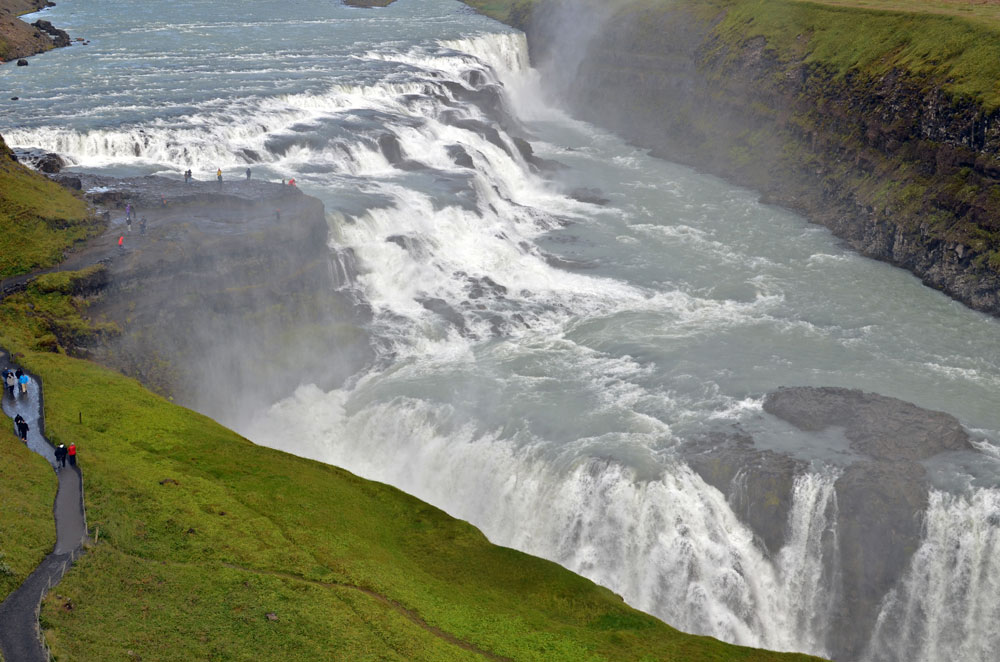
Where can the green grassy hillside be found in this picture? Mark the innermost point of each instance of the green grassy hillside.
(27, 489)
(207, 547)
(40, 220)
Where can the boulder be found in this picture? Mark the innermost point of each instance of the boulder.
(59, 37)
(881, 427)
(22, 62)
(757, 483)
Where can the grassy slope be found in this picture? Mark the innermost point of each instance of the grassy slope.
(960, 52)
(40, 220)
(201, 535)
(27, 490)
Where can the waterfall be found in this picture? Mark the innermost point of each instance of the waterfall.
(947, 607)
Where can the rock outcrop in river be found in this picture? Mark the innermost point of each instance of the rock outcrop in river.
(881, 494)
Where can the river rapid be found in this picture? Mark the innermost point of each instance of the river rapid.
(547, 339)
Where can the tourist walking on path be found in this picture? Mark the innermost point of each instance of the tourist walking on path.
(61, 455)
(71, 452)
(128, 212)
(24, 379)
(248, 174)
(11, 383)
(128, 224)
(142, 226)
(20, 639)
(22, 428)
(121, 244)
(218, 174)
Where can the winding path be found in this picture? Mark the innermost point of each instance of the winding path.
(20, 635)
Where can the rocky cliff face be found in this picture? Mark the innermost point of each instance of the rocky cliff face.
(230, 299)
(903, 170)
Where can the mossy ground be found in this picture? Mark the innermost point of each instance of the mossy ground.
(27, 490)
(960, 52)
(40, 219)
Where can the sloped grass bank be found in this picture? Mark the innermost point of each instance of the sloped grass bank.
(27, 490)
(209, 547)
(959, 52)
(40, 220)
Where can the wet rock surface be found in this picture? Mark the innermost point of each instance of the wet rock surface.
(881, 494)
(227, 296)
(881, 427)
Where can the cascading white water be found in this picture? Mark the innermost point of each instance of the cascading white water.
(541, 358)
(948, 605)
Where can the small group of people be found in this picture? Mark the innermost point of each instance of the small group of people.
(62, 452)
(14, 378)
(188, 176)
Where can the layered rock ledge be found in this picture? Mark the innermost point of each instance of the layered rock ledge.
(225, 297)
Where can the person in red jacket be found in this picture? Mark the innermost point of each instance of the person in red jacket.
(71, 452)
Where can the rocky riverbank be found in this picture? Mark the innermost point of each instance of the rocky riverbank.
(894, 148)
(19, 39)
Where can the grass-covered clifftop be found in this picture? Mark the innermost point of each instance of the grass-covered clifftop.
(41, 220)
(207, 547)
(883, 124)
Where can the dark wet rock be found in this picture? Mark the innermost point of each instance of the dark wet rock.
(250, 155)
(487, 132)
(445, 311)
(879, 523)
(368, 4)
(69, 181)
(59, 37)
(15, 98)
(489, 98)
(411, 165)
(757, 483)
(389, 145)
(474, 78)
(460, 156)
(40, 160)
(253, 303)
(485, 287)
(22, 62)
(878, 426)
(880, 501)
(589, 195)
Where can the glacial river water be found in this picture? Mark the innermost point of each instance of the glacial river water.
(542, 359)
